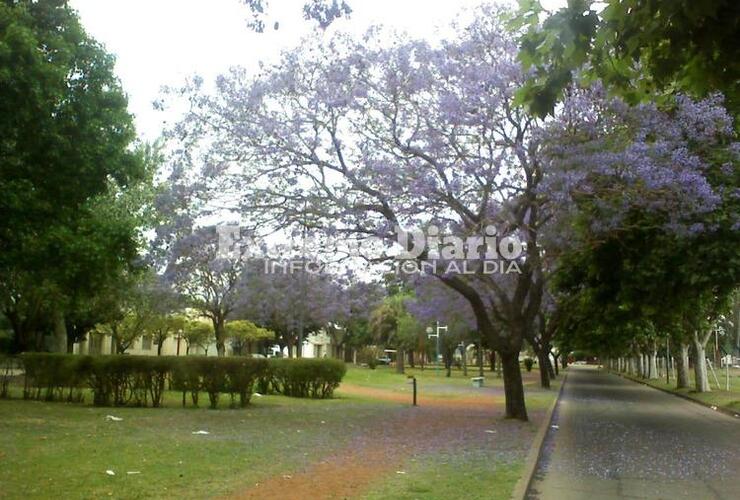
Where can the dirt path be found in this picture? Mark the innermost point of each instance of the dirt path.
(382, 447)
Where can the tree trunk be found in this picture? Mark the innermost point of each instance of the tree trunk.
(544, 371)
(299, 342)
(159, 347)
(447, 360)
(412, 361)
(653, 356)
(640, 368)
(555, 365)
(464, 361)
(400, 354)
(492, 359)
(218, 327)
(513, 387)
(700, 363)
(479, 355)
(550, 369)
(60, 332)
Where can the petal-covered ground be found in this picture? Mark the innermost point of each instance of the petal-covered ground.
(369, 442)
(614, 438)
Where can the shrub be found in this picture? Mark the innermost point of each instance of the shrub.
(186, 378)
(241, 374)
(213, 377)
(7, 366)
(302, 378)
(141, 380)
(235, 376)
(51, 377)
(528, 364)
(368, 356)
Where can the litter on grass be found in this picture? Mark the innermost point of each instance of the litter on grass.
(201, 433)
(114, 419)
(110, 472)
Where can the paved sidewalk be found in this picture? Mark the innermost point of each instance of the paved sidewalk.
(613, 438)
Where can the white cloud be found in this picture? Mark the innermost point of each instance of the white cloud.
(161, 42)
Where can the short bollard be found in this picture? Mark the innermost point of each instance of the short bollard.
(413, 383)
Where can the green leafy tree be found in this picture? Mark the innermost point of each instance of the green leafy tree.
(66, 152)
(197, 333)
(638, 48)
(393, 326)
(163, 326)
(243, 333)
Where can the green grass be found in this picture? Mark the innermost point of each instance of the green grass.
(449, 476)
(718, 397)
(482, 472)
(64, 450)
(385, 377)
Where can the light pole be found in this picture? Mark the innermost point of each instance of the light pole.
(436, 335)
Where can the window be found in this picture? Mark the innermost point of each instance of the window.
(146, 343)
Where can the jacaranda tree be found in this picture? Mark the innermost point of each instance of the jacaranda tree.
(359, 138)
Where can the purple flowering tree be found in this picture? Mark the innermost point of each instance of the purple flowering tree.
(208, 276)
(361, 139)
(434, 302)
(648, 212)
(292, 302)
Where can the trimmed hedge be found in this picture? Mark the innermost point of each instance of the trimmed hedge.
(303, 378)
(7, 367)
(235, 376)
(142, 380)
(51, 377)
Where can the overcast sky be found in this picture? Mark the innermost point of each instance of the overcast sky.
(161, 42)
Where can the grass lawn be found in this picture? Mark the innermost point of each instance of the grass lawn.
(451, 475)
(718, 397)
(64, 450)
(386, 377)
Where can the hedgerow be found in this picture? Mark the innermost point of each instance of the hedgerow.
(142, 380)
(304, 378)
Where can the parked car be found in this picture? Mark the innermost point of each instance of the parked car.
(385, 360)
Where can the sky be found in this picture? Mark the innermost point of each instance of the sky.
(161, 42)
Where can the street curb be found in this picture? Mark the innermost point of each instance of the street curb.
(719, 409)
(535, 451)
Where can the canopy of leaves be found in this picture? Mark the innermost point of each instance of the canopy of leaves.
(637, 47)
(69, 173)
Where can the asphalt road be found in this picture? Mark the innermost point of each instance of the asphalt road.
(613, 438)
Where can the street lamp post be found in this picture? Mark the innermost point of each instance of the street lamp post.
(436, 335)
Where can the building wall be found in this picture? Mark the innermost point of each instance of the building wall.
(315, 346)
(143, 346)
